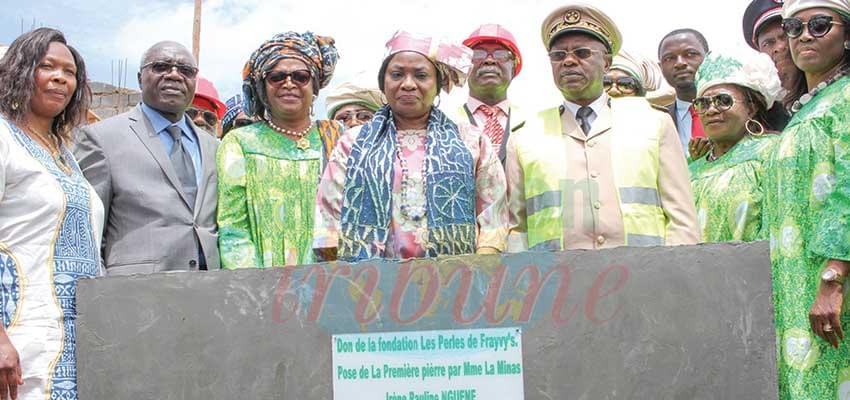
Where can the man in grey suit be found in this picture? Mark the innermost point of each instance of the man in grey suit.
(155, 172)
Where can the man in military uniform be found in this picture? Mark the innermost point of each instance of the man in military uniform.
(595, 172)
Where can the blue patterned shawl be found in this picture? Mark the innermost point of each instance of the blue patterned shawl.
(450, 192)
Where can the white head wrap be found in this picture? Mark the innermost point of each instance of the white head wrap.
(743, 67)
(351, 93)
(792, 7)
(641, 68)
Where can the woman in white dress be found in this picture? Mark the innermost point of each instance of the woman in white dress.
(50, 217)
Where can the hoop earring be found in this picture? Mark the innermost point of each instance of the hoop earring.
(15, 106)
(760, 130)
(847, 45)
(437, 103)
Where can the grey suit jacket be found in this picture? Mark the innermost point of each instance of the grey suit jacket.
(149, 224)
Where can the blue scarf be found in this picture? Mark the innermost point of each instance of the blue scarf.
(367, 196)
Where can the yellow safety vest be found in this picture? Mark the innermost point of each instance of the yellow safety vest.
(635, 158)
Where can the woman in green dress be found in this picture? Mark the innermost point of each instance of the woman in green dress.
(807, 207)
(268, 172)
(733, 90)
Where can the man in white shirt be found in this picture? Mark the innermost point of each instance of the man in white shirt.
(681, 53)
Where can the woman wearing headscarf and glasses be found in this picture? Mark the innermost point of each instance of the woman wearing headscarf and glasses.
(807, 207)
(411, 183)
(734, 92)
(268, 171)
(631, 75)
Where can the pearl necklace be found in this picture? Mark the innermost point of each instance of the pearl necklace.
(301, 136)
(804, 99)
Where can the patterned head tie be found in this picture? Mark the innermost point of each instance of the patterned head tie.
(317, 52)
(453, 61)
(744, 67)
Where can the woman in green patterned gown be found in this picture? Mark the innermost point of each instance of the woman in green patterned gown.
(733, 90)
(807, 207)
(268, 172)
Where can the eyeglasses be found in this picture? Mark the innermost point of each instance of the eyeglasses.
(626, 84)
(164, 67)
(300, 77)
(583, 53)
(721, 102)
(209, 117)
(818, 26)
(498, 55)
(362, 116)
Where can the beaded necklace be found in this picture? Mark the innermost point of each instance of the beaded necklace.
(301, 137)
(413, 212)
(804, 99)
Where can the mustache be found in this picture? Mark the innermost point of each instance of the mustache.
(569, 72)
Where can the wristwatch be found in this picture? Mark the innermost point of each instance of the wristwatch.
(830, 275)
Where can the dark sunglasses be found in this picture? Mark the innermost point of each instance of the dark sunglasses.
(300, 77)
(163, 67)
(818, 26)
(362, 116)
(625, 84)
(498, 55)
(582, 53)
(209, 117)
(721, 102)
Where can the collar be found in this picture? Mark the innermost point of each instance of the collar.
(596, 106)
(682, 107)
(159, 122)
(472, 103)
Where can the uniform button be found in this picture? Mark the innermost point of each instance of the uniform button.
(591, 143)
(193, 263)
(597, 205)
(594, 174)
(600, 239)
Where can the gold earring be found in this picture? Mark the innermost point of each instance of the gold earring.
(760, 130)
(15, 105)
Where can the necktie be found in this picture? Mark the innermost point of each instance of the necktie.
(582, 117)
(183, 165)
(696, 125)
(492, 128)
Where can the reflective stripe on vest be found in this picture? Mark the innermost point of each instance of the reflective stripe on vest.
(635, 159)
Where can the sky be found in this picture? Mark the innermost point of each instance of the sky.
(107, 32)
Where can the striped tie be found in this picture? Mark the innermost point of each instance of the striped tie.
(492, 128)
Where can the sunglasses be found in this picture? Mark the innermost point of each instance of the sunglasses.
(362, 116)
(300, 77)
(625, 84)
(209, 117)
(498, 55)
(163, 67)
(818, 26)
(721, 102)
(583, 53)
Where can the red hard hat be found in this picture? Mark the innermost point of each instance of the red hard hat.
(206, 97)
(496, 33)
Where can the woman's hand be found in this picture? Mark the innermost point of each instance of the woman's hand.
(698, 147)
(10, 369)
(825, 315)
